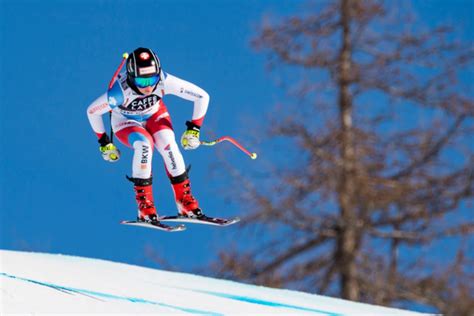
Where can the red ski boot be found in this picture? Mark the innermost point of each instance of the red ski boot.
(144, 197)
(187, 205)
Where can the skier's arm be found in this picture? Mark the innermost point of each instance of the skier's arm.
(190, 92)
(94, 113)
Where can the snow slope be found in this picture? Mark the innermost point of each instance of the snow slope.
(37, 283)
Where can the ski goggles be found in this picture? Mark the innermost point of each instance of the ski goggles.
(143, 82)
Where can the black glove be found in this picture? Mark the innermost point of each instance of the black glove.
(104, 140)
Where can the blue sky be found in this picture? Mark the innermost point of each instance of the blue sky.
(57, 194)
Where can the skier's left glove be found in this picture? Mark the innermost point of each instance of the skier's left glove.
(109, 151)
(190, 138)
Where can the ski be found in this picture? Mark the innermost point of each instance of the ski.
(206, 220)
(156, 225)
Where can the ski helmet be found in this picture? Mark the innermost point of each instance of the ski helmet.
(143, 67)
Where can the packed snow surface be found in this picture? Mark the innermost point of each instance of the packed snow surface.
(36, 283)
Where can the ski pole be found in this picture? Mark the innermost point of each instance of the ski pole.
(112, 81)
(111, 84)
(232, 141)
(111, 129)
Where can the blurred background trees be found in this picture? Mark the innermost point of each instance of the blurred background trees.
(374, 201)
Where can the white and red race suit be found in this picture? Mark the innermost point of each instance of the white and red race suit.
(142, 121)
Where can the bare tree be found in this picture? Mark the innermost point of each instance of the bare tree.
(384, 172)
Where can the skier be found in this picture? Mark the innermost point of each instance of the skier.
(140, 120)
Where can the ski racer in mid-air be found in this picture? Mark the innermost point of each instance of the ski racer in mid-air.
(140, 120)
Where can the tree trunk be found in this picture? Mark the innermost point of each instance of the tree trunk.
(348, 237)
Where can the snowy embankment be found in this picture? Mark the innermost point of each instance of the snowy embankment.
(36, 283)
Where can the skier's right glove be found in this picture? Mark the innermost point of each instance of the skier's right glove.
(109, 151)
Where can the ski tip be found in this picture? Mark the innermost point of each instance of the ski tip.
(233, 221)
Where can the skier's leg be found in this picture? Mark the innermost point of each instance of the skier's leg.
(132, 134)
(142, 143)
(160, 126)
(165, 142)
(166, 145)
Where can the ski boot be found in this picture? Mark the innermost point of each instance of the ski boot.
(187, 205)
(144, 197)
